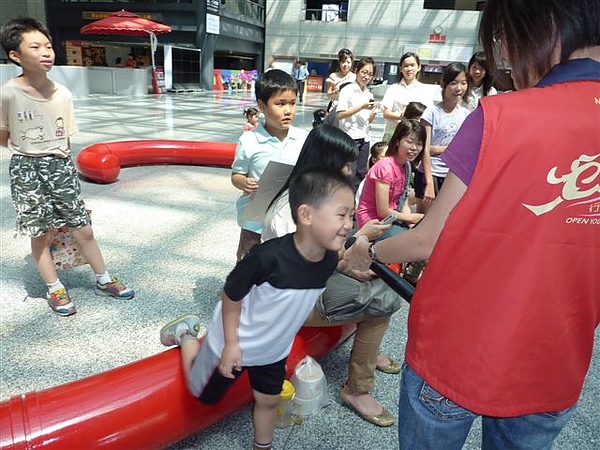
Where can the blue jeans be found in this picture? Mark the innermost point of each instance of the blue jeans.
(429, 421)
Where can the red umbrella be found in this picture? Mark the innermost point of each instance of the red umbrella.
(127, 23)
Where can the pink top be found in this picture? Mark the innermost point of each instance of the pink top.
(388, 171)
(248, 126)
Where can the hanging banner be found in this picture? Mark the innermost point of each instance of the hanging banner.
(213, 7)
(213, 24)
(314, 83)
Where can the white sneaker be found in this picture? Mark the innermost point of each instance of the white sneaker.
(171, 333)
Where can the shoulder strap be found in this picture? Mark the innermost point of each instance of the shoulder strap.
(404, 196)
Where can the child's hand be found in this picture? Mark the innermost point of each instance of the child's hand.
(250, 185)
(429, 195)
(231, 359)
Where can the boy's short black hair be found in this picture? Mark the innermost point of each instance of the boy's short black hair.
(313, 186)
(12, 32)
(272, 82)
(414, 110)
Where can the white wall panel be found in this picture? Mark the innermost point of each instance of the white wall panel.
(380, 29)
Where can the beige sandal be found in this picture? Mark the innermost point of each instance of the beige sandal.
(385, 419)
(394, 367)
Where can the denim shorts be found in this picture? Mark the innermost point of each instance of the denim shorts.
(46, 194)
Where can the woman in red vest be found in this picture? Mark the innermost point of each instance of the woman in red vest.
(519, 217)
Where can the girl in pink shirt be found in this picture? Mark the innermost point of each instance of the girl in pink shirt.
(251, 115)
(387, 182)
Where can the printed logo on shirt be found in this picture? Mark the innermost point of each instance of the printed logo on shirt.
(34, 131)
(580, 189)
(33, 134)
(26, 115)
(60, 127)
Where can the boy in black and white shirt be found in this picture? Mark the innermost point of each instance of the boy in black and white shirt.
(266, 299)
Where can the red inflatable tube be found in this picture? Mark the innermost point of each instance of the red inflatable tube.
(145, 404)
(102, 162)
(142, 405)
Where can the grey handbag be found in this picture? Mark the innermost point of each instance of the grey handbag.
(347, 299)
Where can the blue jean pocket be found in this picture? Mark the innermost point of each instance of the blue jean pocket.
(562, 412)
(442, 407)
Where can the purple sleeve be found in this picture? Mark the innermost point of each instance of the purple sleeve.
(462, 153)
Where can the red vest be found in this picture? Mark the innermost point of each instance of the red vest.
(503, 320)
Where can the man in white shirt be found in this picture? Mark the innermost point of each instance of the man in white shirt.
(300, 74)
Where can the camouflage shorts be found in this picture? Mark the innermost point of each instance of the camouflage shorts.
(46, 194)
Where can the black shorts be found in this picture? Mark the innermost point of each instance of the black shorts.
(266, 379)
(420, 184)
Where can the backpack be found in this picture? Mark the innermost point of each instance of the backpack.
(331, 117)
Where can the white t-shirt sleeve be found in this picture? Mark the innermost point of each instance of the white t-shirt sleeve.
(4, 110)
(344, 99)
(428, 115)
(278, 220)
(388, 98)
(70, 122)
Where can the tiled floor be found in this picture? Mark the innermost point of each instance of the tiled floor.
(170, 232)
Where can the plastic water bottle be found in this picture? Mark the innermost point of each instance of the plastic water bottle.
(285, 407)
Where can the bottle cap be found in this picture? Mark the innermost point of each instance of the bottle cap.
(287, 390)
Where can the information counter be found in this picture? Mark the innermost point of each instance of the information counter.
(83, 81)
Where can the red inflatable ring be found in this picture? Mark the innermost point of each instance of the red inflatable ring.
(102, 162)
(142, 405)
(145, 404)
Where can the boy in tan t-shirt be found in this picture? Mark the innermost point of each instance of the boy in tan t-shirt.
(36, 122)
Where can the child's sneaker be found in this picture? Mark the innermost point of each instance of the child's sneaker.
(61, 303)
(171, 333)
(114, 288)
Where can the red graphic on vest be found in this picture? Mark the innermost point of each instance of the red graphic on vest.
(582, 182)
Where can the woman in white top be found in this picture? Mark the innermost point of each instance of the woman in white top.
(342, 76)
(441, 122)
(480, 80)
(408, 89)
(355, 112)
